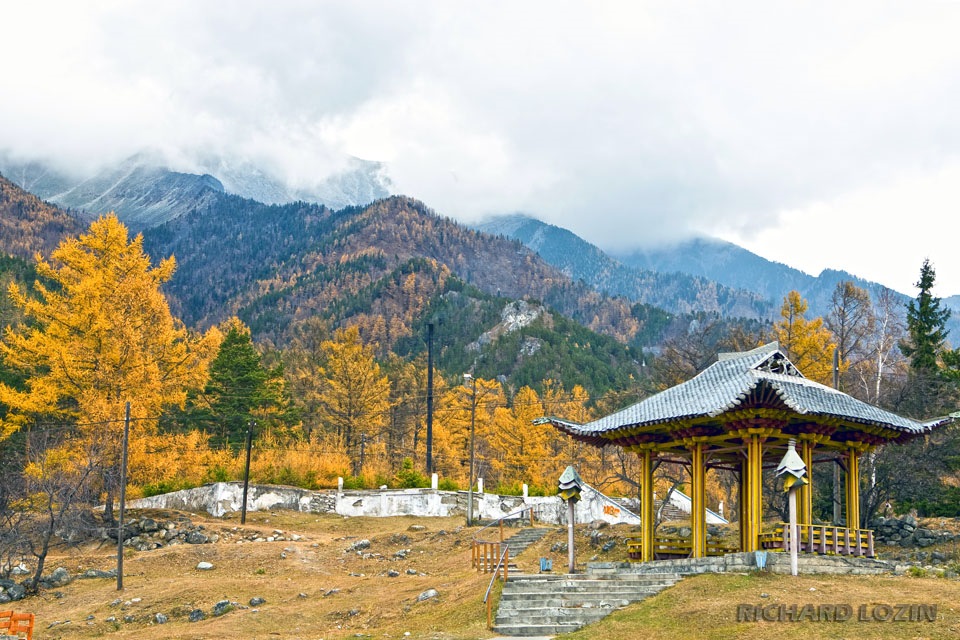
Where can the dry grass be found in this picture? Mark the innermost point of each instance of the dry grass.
(343, 594)
(706, 607)
(346, 595)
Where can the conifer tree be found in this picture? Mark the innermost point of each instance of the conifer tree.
(926, 326)
(807, 343)
(99, 334)
(240, 390)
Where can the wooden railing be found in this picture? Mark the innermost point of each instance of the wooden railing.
(16, 624)
(487, 600)
(666, 547)
(485, 553)
(486, 556)
(823, 539)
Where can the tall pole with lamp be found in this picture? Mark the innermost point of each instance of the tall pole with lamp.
(794, 470)
(473, 423)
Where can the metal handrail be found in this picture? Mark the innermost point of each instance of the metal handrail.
(505, 554)
(499, 521)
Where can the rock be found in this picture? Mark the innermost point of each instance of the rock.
(195, 537)
(359, 545)
(204, 566)
(403, 553)
(353, 612)
(608, 545)
(256, 602)
(15, 592)
(222, 607)
(96, 573)
(160, 618)
(411, 572)
(599, 524)
(416, 527)
(302, 595)
(331, 592)
(429, 594)
(111, 619)
(59, 578)
(392, 573)
(196, 615)
(399, 538)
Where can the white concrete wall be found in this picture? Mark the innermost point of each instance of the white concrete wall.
(226, 497)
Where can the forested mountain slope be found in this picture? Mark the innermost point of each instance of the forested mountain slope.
(673, 289)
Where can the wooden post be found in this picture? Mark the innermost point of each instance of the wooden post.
(805, 515)
(753, 498)
(646, 506)
(698, 513)
(853, 489)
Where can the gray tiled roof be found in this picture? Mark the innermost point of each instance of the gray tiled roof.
(727, 382)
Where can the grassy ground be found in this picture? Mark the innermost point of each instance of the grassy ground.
(706, 607)
(314, 589)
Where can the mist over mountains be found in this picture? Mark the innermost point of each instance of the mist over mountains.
(244, 238)
(145, 192)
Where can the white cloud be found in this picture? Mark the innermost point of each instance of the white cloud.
(625, 122)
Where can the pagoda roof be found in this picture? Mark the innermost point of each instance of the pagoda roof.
(727, 384)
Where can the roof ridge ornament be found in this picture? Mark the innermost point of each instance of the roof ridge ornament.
(780, 364)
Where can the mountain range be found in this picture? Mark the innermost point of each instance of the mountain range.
(145, 193)
(391, 265)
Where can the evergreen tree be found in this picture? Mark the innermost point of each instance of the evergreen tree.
(931, 389)
(926, 326)
(240, 389)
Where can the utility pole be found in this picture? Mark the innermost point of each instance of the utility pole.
(473, 424)
(429, 399)
(837, 507)
(123, 496)
(246, 471)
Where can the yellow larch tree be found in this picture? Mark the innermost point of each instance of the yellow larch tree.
(808, 343)
(354, 395)
(525, 446)
(100, 335)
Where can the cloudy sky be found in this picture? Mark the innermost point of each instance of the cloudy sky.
(818, 134)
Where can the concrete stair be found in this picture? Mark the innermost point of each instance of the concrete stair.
(543, 604)
(519, 541)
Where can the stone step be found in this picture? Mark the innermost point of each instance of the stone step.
(582, 587)
(519, 629)
(599, 601)
(557, 615)
(544, 604)
(620, 594)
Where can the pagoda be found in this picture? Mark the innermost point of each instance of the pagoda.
(740, 414)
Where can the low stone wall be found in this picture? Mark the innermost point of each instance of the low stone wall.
(745, 562)
(905, 532)
(221, 498)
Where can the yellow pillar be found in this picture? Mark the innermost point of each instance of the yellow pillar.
(753, 495)
(853, 488)
(646, 504)
(806, 491)
(742, 510)
(698, 511)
